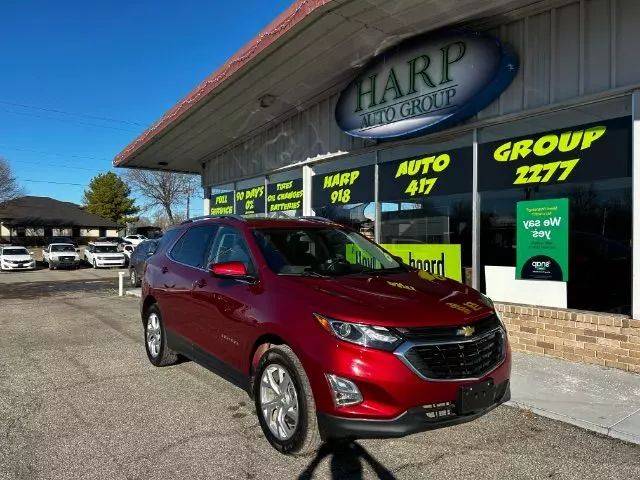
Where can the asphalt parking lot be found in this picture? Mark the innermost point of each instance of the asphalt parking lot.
(79, 399)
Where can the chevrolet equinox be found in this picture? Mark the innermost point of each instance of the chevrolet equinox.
(332, 336)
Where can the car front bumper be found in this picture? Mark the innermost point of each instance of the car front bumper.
(31, 266)
(110, 263)
(411, 421)
(64, 263)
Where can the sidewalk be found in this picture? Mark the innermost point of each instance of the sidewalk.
(604, 400)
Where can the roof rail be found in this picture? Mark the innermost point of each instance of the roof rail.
(317, 219)
(203, 217)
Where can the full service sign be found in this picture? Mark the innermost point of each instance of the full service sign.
(283, 196)
(345, 187)
(443, 173)
(250, 200)
(584, 153)
(222, 204)
(542, 240)
(426, 84)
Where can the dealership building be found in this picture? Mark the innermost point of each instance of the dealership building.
(490, 141)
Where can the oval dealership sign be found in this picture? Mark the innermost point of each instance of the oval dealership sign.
(426, 84)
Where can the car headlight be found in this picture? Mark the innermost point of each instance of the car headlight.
(365, 335)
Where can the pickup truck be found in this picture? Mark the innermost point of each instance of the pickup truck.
(58, 255)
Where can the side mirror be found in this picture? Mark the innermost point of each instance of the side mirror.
(229, 270)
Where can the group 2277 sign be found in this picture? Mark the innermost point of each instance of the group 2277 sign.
(542, 240)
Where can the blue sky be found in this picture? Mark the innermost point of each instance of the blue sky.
(114, 67)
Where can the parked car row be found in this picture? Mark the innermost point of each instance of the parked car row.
(104, 252)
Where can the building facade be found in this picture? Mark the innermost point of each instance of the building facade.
(468, 200)
(34, 221)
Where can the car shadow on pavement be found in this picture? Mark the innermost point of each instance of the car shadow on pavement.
(347, 459)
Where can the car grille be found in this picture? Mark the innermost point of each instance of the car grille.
(456, 358)
(67, 259)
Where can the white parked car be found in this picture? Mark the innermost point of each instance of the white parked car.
(58, 255)
(135, 239)
(104, 254)
(128, 249)
(16, 258)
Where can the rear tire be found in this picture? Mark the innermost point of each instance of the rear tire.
(303, 438)
(94, 264)
(155, 339)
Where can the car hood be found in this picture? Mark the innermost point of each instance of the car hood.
(17, 258)
(414, 298)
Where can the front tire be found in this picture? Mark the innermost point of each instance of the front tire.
(155, 339)
(133, 278)
(284, 403)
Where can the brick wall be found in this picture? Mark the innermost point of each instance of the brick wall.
(601, 339)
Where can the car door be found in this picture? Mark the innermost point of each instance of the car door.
(186, 263)
(225, 306)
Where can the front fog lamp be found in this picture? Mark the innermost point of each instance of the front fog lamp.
(365, 335)
(344, 391)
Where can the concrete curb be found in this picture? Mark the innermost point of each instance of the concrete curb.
(584, 424)
(133, 292)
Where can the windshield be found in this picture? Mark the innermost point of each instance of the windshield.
(14, 251)
(106, 248)
(63, 248)
(318, 251)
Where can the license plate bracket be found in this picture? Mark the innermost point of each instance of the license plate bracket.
(476, 397)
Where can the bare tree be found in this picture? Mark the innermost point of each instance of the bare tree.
(9, 187)
(166, 190)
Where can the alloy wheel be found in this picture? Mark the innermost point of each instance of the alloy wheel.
(154, 335)
(279, 401)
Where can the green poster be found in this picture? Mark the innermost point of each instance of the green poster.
(438, 258)
(542, 239)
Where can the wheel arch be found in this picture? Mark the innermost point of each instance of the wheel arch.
(261, 345)
(148, 301)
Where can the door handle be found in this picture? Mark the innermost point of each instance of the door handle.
(165, 269)
(199, 283)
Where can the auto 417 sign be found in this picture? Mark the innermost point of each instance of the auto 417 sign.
(441, 173)
(426, 83)
(542, 240)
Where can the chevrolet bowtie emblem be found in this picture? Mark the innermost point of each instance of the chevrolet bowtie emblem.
(466, 331)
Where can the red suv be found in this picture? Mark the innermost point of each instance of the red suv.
(330, 334)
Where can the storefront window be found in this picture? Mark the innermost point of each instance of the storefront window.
(222, 200)
(344, 191)
(582, 155)
(284, 194)
(250, 197)
(425, 214)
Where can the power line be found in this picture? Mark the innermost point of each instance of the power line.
(51, 182)
(35, 115)
(63, 165)
(42, 152)
(85, 115)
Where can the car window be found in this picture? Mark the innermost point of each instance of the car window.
(168, 238)
(192, 247)
(15, 251)
(230, 246)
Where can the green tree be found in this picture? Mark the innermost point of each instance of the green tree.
(109, 197)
